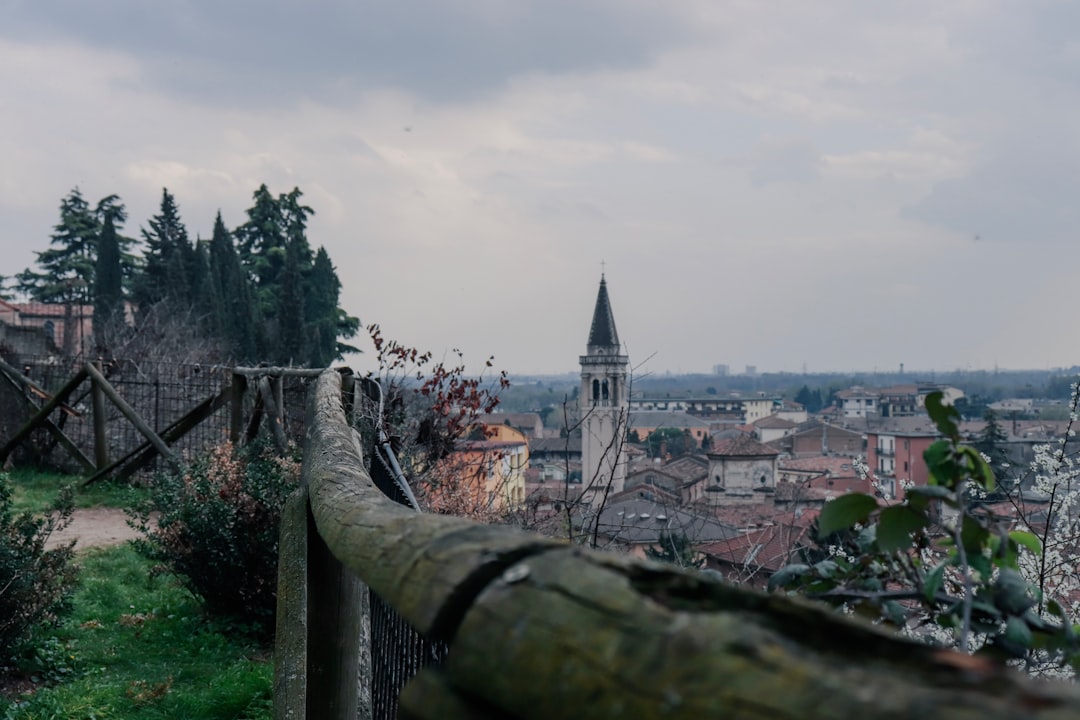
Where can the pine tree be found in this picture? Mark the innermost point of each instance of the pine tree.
(108, 285)
(67, 268)
(165, 273)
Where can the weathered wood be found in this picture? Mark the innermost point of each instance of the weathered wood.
(429, 696)
(129, 412)
(427, 566)
(258, 372)
(273, 414)
(55, 430)
(101, 443)
(291, 636)
(252, 430)
(236, 406)
(540, 630)
(145, 452)
(334, 621)
(28, 385)
(42, 415)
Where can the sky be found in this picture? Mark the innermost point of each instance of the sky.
(830, 186)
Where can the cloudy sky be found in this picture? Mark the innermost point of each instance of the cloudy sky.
(837, 185)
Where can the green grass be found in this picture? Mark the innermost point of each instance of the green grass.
(138, 647)
(34, 490)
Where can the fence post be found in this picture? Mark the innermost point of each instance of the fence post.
(236, 407)
(334, 630)
(101, 444)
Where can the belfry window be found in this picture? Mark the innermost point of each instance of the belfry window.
(604, 391)
(595, 391)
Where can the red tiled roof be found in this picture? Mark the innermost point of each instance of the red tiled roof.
(773, 422)
(769, 548)
(838, 466)
(53, 309)
(742, 447)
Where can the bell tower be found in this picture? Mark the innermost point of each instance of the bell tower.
(603, 402)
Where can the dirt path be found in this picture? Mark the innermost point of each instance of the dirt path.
(95, 527)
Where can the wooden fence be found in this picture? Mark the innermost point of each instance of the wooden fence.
(540, 629)
(111, 420)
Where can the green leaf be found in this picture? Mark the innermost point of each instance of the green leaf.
(1026, 539)
(787, 575)
(945, 417)
(941, 463)
(843, 512)
(973, 535)
(930, 491)
(1017, 632)
(979, 470)
(934, 579)
(895, 527)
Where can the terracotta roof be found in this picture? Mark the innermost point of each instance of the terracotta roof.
(773, 422)
(769, 548)
(837, 466)
(40, 309)
(742, 447)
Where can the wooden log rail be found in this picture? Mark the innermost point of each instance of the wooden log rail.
(540, 629)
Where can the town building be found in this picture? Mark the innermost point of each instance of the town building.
(741, 470)
(603, 401)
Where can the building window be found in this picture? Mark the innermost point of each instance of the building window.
(50, 331)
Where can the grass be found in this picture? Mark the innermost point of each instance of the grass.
(138, 647)
(35, 490)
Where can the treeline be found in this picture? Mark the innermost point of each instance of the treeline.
(256, 293)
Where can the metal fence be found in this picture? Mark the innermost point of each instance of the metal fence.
(398, 650)
(160, 393)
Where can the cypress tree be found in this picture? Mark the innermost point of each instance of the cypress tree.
(108, 286)
(290, 315)
(236, 313)
(321, 311)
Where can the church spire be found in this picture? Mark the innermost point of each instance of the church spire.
(602, 333)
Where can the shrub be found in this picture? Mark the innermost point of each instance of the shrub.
(35, 583)
(217, 529)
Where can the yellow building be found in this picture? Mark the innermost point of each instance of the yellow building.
(483, 477)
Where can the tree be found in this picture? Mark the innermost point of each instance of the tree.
(676, 549)
(321, 312)
(67, 267)
(108, 286)
(940, 566)
(235, 315)
(811, 400)
(165, 271)
(990, 440)
(670, 441)
(290, 313)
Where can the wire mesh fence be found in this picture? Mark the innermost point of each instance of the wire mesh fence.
(398, 650)
(160, 393)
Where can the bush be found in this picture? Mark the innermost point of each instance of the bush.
(217, 529)
(35, 584)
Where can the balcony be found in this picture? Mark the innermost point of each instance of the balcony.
(885, 452)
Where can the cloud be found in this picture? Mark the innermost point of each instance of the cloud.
(273, 51)
(1020, 191)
